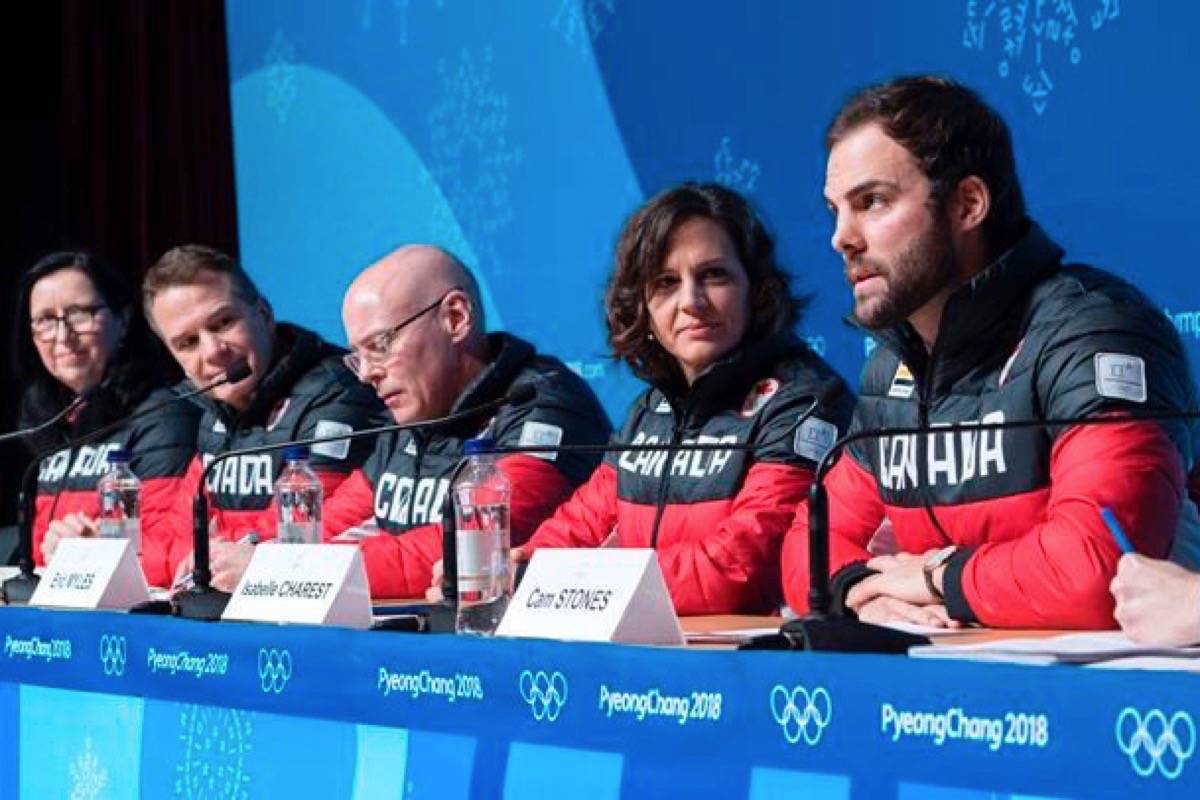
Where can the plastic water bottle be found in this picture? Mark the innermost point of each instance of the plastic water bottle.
(482, 496)
(120, 501)
(298, 499)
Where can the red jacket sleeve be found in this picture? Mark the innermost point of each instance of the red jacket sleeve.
(178, 516)
(735, 568)
(164, 540)
(401, 566)
(855, 512)
(1057, 574)
(585, 519)
(350, 504)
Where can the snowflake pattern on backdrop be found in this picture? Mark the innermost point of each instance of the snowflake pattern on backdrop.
(400, 7)
(280, 62)
(580, 22)
(1034, 38)
(471, 158)
(738, 175)
(89, 778)
(216, 743)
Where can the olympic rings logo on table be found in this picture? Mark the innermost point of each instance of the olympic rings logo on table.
(800, 713)
(545, 692)
(274, 669)
(113, 653)
(1156, 743)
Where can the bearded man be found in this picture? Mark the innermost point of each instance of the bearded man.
(977, 319)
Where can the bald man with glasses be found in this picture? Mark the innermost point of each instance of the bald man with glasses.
(416, 329)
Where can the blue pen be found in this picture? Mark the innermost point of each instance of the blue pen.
(1114, 527)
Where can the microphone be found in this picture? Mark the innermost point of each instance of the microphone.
(825, 393)
(201, 600)
(19, 588)
(71, 408)
(819, 629)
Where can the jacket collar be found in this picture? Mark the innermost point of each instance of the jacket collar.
(509, 356)
(729, 378)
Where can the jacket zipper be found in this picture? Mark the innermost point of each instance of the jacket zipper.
(665, 481)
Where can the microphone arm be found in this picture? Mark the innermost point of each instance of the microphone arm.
(819, 400)
(67, 411)
(201, 600)
(19, 588)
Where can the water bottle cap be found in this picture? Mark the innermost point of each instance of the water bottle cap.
(295, 453)
(118, 456)
(480, 446)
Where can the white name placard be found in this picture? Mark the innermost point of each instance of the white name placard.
(314, 584)
(593, 595)
(92, 573)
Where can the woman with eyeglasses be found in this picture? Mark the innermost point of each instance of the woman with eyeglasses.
(78, 330)
(698, 307)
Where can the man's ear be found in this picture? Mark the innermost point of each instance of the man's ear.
(263, 309)
(970, 204)
(458, 315)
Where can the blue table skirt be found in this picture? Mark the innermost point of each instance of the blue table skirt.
(110, 705)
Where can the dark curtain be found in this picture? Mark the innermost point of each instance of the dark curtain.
(118, 139)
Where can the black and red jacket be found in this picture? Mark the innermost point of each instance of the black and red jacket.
(717, 518)
(307, 392)
(403, 485)
(1028, 338)
(161, 445)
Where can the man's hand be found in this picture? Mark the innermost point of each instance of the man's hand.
(880, 610)
(72, 525)
(900, 577)
(228, 561)
(434, 593)
(1157, 601)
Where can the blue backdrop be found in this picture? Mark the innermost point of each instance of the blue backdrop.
(520, 135)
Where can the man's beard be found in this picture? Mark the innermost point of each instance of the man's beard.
(925, 268)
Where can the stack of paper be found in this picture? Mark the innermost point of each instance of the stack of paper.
(1070, 648)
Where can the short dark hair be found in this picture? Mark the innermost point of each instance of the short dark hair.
(953, 134)
(642, 249)
(184, 265)
(136, 364)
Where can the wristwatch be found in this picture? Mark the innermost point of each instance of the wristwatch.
(936, 559)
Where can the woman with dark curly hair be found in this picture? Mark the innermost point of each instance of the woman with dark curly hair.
(699, 308)
(78, 330)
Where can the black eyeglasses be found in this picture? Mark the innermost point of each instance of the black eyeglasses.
(375, 351)
(78, 319)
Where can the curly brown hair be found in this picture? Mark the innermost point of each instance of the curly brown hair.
(642, 250)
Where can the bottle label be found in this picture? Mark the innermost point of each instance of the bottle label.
(482, 564)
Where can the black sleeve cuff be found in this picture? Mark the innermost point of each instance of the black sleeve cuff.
(841, 583)
(956, 602)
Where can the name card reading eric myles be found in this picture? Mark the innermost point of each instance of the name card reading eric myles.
(598, 595)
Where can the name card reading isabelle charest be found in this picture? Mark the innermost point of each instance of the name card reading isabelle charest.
(92, 574)
(593, 595)
(313, 584)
